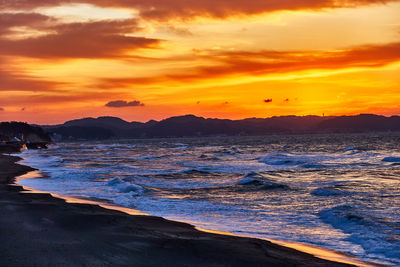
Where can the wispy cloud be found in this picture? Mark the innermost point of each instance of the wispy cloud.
(266, 62)
(172, 9)
(17, 80)
(99, 39)
(32, 20)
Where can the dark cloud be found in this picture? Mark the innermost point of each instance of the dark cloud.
(163, 9)
(100, 39)
(269, 100)
(23, 109)
(29, 4)
(31, 20)
(123, 103)
(1, 109)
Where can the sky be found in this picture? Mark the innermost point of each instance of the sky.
(153, 59)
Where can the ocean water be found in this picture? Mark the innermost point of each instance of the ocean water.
(337, 191)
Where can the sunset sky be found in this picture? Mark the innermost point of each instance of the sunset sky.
(152, 59)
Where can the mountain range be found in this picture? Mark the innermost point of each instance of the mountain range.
(190, 125)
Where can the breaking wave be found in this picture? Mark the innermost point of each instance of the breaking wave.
(335, 192)
(376, 236)
(259, 181)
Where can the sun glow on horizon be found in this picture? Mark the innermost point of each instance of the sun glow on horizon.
(60, 62)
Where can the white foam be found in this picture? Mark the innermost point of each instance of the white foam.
(238, 191)
(125, 187)
(376, 236)
(318, 160)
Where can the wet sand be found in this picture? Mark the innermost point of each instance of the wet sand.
(38, 229)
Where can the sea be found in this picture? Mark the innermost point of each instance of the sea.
(338, 191)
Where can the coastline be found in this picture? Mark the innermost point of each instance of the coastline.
(78, 233)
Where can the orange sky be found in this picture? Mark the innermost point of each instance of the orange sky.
(152, 59)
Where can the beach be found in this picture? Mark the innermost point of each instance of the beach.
(41, 230)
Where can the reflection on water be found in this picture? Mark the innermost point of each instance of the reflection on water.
(340, 192)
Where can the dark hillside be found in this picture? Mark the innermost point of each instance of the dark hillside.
(24, 131)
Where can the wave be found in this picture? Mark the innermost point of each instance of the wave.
(228, 151)
(149, 157)
(292, 159)
(352, 157)
(208, 158)
(344, 188)
(42, 160)
(125, 187)
(193, 172)
(354, 149)
(391, 159)
(98, 165)
(329, 191)
(313, 166)
(377, 236)
(350, 148)
(254, 179)
(179, 146)
(249, 181)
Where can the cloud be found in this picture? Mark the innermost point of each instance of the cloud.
(286, 100)
(17, 80)
(99, 39)
(275, 62)
(268, 62)
(123, 103)
(181, 31)
(1, 109)
(30, 20)
(41, 99)
(23, 109)
(161, 9)
(225, 64)
(269, 100)
(172, 9)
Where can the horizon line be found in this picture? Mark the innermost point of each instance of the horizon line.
(204, 117)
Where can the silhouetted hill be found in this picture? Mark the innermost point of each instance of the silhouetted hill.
(190, 125)
(361, 123)
(103, 122)
(22, 130)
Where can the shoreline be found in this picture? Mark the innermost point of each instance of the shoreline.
(317, 251)
(137, 239)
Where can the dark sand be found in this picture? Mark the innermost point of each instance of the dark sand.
(41, 230)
